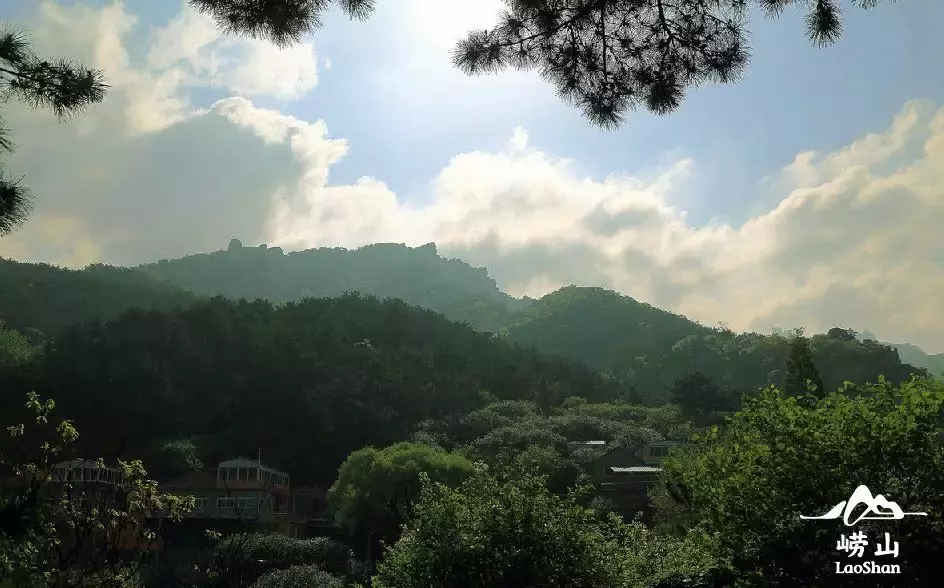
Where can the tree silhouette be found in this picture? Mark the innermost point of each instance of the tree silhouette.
(606, 57)
(62, 86)
(801, 371)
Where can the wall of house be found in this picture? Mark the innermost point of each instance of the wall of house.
(220, 503)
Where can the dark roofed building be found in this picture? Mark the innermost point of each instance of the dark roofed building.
(624, 475)
(247, 490)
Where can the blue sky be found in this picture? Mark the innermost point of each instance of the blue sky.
(716, 210)
(794, 97)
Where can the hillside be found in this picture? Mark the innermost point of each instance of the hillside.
(308, 382)
(635, 344)
(415, 275)
(916, 356)
(648, 348)
(41, 299)
(912, 354)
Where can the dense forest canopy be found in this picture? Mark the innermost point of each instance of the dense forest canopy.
(323, 376)
(650, 347)
(40, 299)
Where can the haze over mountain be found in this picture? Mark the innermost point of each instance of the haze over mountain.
(632, 342)
(386, 270)
(363, 135)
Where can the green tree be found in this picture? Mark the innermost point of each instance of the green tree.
(61, 86)
(513, 532)
(245, 559)
(376, 488)
(300, 577)
(778, 458)
(604, 56)
(62, 534)
(175, 458)
(15, 349)
(802, 377)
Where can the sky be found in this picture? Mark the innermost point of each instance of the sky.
(810, 193)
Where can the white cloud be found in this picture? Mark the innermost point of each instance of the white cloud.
(192, 43)
(855, 239)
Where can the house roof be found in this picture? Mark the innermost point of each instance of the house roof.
(635, 469)
(594, 443)
(242, 462)
(664, 443)
(80, 463)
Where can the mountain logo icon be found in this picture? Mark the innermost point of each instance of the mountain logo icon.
(877, 508)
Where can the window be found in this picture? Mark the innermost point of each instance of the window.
(225, 502)
(660, 451)
(280, 506)
(200, 504)
(247, 503)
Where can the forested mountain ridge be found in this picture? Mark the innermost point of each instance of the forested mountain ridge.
(650, 348)
(417, 276)
(633, 343)
(41, 299)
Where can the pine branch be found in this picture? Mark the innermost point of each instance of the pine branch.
(283, 22)
(610, 56)
(62, 86)
(16, 204)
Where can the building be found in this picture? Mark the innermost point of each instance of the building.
(93, 489)
(246, 491)
(624, 475)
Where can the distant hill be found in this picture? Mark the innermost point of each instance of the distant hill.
(639, 346)
(916, 356)
(913, 354)
(649, 347)
(418, 276)
(44, 298)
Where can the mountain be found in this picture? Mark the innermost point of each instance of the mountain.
(41, 299)
(912, 354)
(916, 356)
(415, 275)
(637, 345)
(650, 348)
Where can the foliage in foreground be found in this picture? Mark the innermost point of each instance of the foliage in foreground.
(781, 457)
(60, 86)
(513, 532)
(66, 534)
(244, 558)
(299, 577)
(605, 57)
